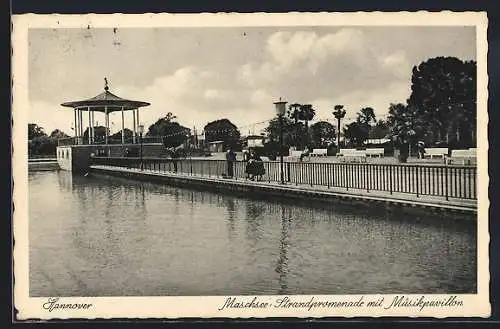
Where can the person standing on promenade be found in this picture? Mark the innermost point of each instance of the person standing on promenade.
(246, 155)
(305, 153)
(421, 149)
(250, 165)
(231, 159)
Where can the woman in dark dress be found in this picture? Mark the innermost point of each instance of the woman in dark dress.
(259, 168)
(249, 169)
(255, 167)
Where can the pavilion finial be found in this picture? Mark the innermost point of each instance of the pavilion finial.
(106, 84)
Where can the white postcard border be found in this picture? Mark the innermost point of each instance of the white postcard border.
(473, 305)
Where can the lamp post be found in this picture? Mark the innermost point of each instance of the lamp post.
(141, 131)
(280, 111)
(339, 114)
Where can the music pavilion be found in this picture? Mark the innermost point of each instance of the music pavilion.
(74, 153)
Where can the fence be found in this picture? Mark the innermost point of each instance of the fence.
(436, 180)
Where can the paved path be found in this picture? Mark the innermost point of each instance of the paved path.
(335, 159)
(408, 199)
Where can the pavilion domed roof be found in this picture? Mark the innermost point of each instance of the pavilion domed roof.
(106, 101)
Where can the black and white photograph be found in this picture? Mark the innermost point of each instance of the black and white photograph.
(250, 165)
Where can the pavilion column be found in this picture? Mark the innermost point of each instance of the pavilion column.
(133, 126)
(106, 123)
(123, 127)
(80, 127)
(75, 126)
(90, 127)
(138, 122)
(93, 128)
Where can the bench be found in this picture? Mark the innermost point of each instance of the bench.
(352, 155)
(464, 156)
(295, 156)
(319, 152)
(379, 152)
(436, 152)
(343, 152)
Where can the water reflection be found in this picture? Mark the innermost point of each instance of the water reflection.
(282, 267)
(99, 236)
(231, 216)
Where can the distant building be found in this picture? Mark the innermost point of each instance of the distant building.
(252, 141)
(377, 141)
(199, 140)
(216, 146)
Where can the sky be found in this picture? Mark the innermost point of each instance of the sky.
(209, 73)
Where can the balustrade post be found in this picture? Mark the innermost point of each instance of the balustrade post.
(346, 177)
(328, 167)
(310, 173)
(390, 179)
(446, 180)
(417, 181)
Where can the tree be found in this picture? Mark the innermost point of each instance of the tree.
(306, 114)
(57, 134)
(35, 130)
(99, 134)
(223, 130)
(402, 123)
(173, 133)
(404, 127)
(161, 126)
(380, 130)
(339, 113)
(294, 112)
(322, 134)
(292, 132)
(355, 133)
(127, 133)
(444, 98)
(41, 144)
(366, 116)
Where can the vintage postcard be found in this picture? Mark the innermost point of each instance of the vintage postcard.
(250, 165)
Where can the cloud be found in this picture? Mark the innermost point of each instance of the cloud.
(397, 62)
(212, 75)
(194, 95)
(289, 49)
(306, 66)
(51, 116)
(379, 99)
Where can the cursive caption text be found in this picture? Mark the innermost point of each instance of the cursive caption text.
(54, 303)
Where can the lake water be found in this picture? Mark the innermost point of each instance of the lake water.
(103, 236)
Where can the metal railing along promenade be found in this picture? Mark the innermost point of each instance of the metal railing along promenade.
(433, 180)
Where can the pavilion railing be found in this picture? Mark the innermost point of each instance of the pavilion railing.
(111, 140)
(445, 181)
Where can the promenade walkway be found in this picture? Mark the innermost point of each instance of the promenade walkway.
(295, 190)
